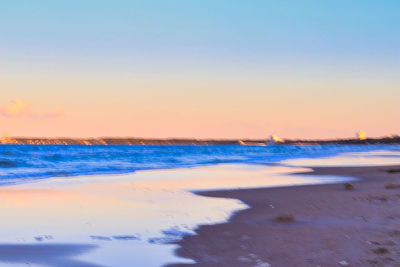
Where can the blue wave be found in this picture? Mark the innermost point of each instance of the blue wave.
(19, 162)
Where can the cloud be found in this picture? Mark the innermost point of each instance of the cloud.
(21, 108)
(47, 115)
(16, 108)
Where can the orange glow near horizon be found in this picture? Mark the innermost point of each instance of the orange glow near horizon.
(196, 107)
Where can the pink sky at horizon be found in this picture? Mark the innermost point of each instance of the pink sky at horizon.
(187, 108)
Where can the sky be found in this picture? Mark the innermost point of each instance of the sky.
(202, 69)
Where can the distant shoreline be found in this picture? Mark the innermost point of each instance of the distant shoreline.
(182, 141)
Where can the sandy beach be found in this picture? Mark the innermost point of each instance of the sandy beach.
(122, 220)
(282, 216)
(331, 225)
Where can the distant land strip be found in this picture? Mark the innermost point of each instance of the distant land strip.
(178, 141)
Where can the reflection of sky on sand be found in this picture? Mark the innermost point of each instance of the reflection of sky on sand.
(45, 254)
(129, 217)
(373, 158)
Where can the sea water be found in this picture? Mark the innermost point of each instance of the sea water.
(19, 163)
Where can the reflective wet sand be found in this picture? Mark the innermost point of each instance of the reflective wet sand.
(372, 158)
(120, 220)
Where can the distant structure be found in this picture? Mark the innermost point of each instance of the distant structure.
(361, 135)
(5, 139)
(274, 139)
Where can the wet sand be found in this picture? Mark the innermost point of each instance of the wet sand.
(332, 226)
(121, 220)
(62, 255)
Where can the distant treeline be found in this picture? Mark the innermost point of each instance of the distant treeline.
(353, 141)
(145, 141)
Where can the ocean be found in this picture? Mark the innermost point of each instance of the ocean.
(21, 163)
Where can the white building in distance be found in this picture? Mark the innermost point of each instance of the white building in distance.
(361, 135)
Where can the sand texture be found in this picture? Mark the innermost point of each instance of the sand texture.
(318, 225)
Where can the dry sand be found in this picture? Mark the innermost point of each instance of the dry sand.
(332, 226)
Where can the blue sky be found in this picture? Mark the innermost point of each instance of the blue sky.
(258, 32)
(269, 47)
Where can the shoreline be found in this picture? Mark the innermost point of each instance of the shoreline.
(151, 211)
(331, 226)
(385, 140)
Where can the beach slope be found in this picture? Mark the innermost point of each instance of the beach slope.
(317, 225)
